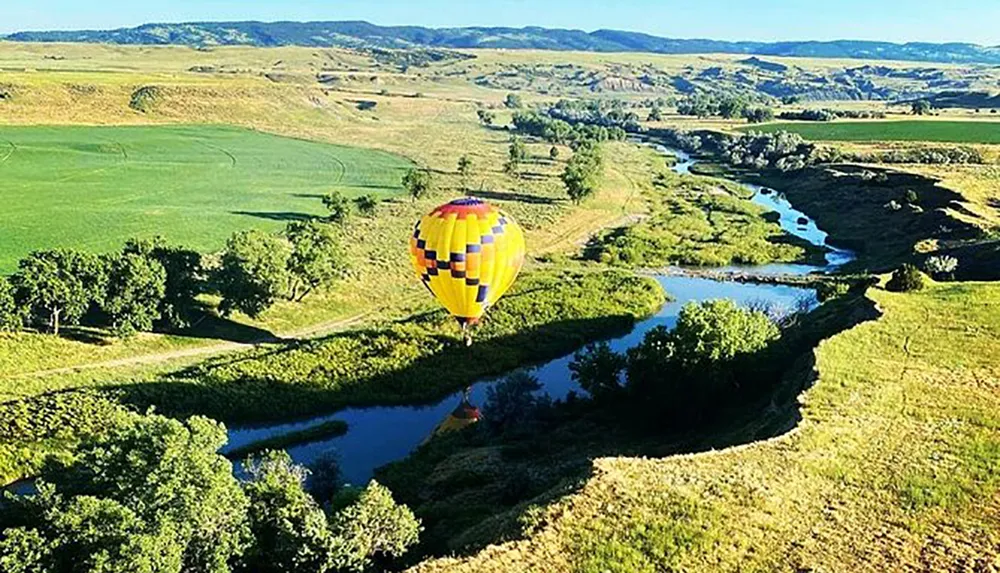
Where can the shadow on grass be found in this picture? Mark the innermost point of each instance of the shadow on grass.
(277, 215)
(292, 379)
(472, 488)
(514, 196)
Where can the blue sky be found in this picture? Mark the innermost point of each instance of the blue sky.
(893, 20)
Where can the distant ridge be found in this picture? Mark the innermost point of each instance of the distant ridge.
(364, 34)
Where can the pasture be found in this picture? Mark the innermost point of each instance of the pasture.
(907, 130)
(94, 187)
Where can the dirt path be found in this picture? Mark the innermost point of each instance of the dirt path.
(313, 331)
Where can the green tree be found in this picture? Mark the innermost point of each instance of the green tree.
(697, 362)
(717, 331)
(57, 287)
(375, 525)
(921, 107)
(758, 114)
(185, 278)
(598, 370)
(253, 272)
(464, 170)
(11, 313)
(655, 114)
(417, 183)
(553, 153)
(135, 291)
(290, 530)
(151, 494)
(338, 206)
(513, 101)
(906, 278)
(582, 173)
(732, 107)
(316, 258)
(367, 205)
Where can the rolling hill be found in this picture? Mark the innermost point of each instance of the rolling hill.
(364, 34)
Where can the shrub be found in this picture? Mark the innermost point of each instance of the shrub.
(145, 98)
(941, 266)
(338, 206)
(367, 205)
(906, 278)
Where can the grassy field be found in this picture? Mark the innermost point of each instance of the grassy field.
(94, 187)
(909, 130)
(895, 466)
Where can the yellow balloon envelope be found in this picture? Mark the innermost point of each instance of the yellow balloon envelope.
(468, 254)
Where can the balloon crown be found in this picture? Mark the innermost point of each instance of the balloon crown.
(466, 201)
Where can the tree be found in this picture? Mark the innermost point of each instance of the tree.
(11, 313)
(553, 153)
(367, 205)
(374, 526)
(582, 173)
(135, 291)
(185, 278)
(338, 206)
(598, 369)
(697, 362)
(758, 114)
(655, 114)
(921, 107)
(906, 278)
(417, 183)
(57, 287)
(253, 272)
(486, 117)
(464, 169)
(151, 494)
(316, 258)
(289, 529)
(513, 101)
(732, 107)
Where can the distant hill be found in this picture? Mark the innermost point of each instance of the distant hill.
(364, 34)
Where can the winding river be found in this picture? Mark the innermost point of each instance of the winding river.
(379, 435)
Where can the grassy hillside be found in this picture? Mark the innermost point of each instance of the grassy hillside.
(895, 466)
(918, 130)
(326, 34)
(94, 187)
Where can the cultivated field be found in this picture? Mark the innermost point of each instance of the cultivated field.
(912, 130)
(95, 187)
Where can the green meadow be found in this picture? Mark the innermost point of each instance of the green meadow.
(910, 130)
(94, 187)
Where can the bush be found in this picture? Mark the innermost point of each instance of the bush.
(367, 205)
(906, 278)
(941, 267)
(145, 98)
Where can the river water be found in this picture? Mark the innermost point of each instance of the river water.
(379, 435)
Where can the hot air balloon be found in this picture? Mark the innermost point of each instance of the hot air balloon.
(467, 253)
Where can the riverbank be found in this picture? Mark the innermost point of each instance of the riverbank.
(550, 312)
